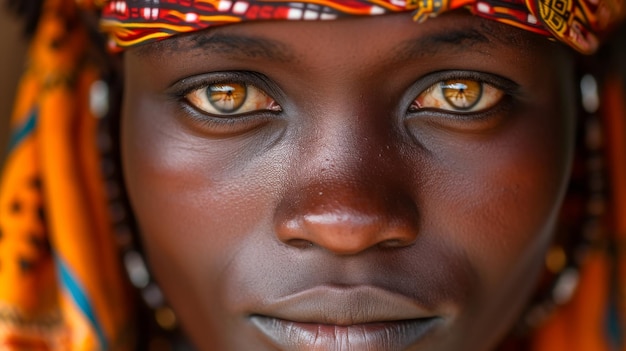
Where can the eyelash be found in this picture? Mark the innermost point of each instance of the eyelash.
(505, 87)
(182, 89)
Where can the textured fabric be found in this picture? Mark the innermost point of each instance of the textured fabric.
(579, 23)
(61, 286)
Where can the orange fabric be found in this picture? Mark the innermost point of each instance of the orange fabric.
(579, 326)
(61, 284)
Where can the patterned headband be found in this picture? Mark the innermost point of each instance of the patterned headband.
(579, 23)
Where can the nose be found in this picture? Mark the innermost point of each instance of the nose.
(346, 220)
(351, 186)
(349, 191)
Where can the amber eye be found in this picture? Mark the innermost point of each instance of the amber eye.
(226, 98)
(458, 95)
(231, 99)
(462, 94)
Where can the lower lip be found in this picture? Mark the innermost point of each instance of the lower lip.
(381, 336)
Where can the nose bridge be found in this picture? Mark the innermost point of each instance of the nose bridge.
(348, 194)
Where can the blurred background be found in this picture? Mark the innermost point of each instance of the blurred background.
(12, 54)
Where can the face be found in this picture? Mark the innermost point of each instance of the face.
(368, 183)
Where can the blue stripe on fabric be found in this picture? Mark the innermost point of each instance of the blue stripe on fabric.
(80, 298)
(613, 326)
(22, 131)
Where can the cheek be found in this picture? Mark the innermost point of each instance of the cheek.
(514, 204)
(198, 206)
(541, 174)
(173, 195)
(181, 185)
(501, 202)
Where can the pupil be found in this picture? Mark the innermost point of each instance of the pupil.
(227, 98)
(462, 94)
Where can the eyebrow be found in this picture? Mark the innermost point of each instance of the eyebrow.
(448, 42)
(458, 40)
(228, 44)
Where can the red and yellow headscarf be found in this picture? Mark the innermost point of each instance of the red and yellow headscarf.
(579, 23)
(61, 281)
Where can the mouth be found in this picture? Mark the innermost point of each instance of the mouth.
(375, 336)
(345, 318)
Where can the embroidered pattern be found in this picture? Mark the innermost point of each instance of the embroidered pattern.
(579, 23)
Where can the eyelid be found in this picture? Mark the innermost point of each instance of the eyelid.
(211, 125)
(507, 87)
(179, 89)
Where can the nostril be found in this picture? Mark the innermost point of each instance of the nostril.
(346, 222)
(299, 243)
(394, 243)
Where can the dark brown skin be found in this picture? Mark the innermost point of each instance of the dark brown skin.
(343, 208)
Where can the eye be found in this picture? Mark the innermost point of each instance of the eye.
(223, 99)
(458, 95)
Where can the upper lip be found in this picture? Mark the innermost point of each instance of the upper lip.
(344, 306)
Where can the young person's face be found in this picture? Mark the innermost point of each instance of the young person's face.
(346, 204)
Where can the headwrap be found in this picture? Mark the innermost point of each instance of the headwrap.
(62, 286)
(579, 23)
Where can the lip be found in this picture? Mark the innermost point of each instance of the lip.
(344, 318)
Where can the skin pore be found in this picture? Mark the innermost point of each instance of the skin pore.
(360, 184)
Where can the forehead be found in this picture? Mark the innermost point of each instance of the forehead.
(387, 37)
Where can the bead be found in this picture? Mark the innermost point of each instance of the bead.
(165, 318)
(136, 269)
(99, 99)
(153, 296)
(565, 286)
(556, 259)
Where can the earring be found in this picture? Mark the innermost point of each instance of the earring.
(586, 201)
(102, 103)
